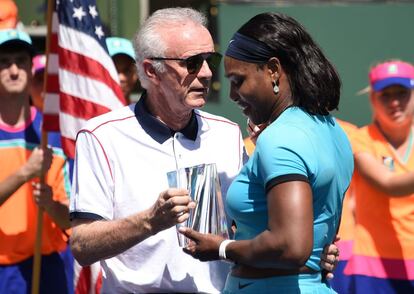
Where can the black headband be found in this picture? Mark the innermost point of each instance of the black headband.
(248, 49)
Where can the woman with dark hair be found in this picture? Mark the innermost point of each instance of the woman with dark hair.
(287, 199)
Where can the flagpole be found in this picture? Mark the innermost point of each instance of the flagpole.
(37, 257)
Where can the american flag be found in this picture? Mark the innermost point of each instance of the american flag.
(82, 81)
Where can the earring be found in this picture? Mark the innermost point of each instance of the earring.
(276, 88)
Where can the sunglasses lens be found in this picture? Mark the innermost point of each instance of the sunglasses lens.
(194, 63)
(213, 60)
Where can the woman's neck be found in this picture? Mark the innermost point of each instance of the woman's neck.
(280, 104)
(396, 136)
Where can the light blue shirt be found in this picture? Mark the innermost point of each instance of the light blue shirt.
(296, 146)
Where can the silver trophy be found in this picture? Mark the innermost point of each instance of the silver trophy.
(203, 183)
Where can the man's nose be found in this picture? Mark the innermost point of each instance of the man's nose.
(13, 68)
(121, 76)
(205, 71)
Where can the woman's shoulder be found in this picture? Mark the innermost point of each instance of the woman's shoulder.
(285, 134)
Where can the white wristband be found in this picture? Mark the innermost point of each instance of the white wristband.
(222, 248)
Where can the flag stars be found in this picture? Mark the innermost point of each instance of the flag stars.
(92, 11)
(78, 13)
(99, 32)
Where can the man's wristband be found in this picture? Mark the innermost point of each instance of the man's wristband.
(222, 248)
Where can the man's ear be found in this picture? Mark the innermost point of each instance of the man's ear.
(150, 71)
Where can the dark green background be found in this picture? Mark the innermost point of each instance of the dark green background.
(122, 16)
(354, 37)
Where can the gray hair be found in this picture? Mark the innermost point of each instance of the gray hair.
(148, 42)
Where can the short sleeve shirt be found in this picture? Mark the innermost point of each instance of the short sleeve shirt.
(121, 165)
(297, 146)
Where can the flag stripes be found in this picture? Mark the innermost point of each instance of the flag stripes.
(82, 81)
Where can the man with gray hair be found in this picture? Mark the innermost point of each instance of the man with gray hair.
(122, 209)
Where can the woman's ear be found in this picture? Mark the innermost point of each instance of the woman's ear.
(274, 68)
(372, 98)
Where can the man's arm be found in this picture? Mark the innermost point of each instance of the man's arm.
(38, 163)
(286, 244)
(11, 184)
(58, 211)
(93, 240)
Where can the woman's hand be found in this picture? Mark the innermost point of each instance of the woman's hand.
(204, 247)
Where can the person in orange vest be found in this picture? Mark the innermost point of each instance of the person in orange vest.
(382, 260)
(21, 193)
(8, 14)
(342, 282)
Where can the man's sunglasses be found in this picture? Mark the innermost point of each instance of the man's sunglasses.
(195, 62)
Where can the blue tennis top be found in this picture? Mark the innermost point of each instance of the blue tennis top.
(296, 146)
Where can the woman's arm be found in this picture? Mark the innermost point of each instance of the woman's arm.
(286, 244)
(288, 241)
(379, 176)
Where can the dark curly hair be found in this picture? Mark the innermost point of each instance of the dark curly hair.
(314, 82)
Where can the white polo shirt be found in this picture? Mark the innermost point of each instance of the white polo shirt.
(121, 163)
